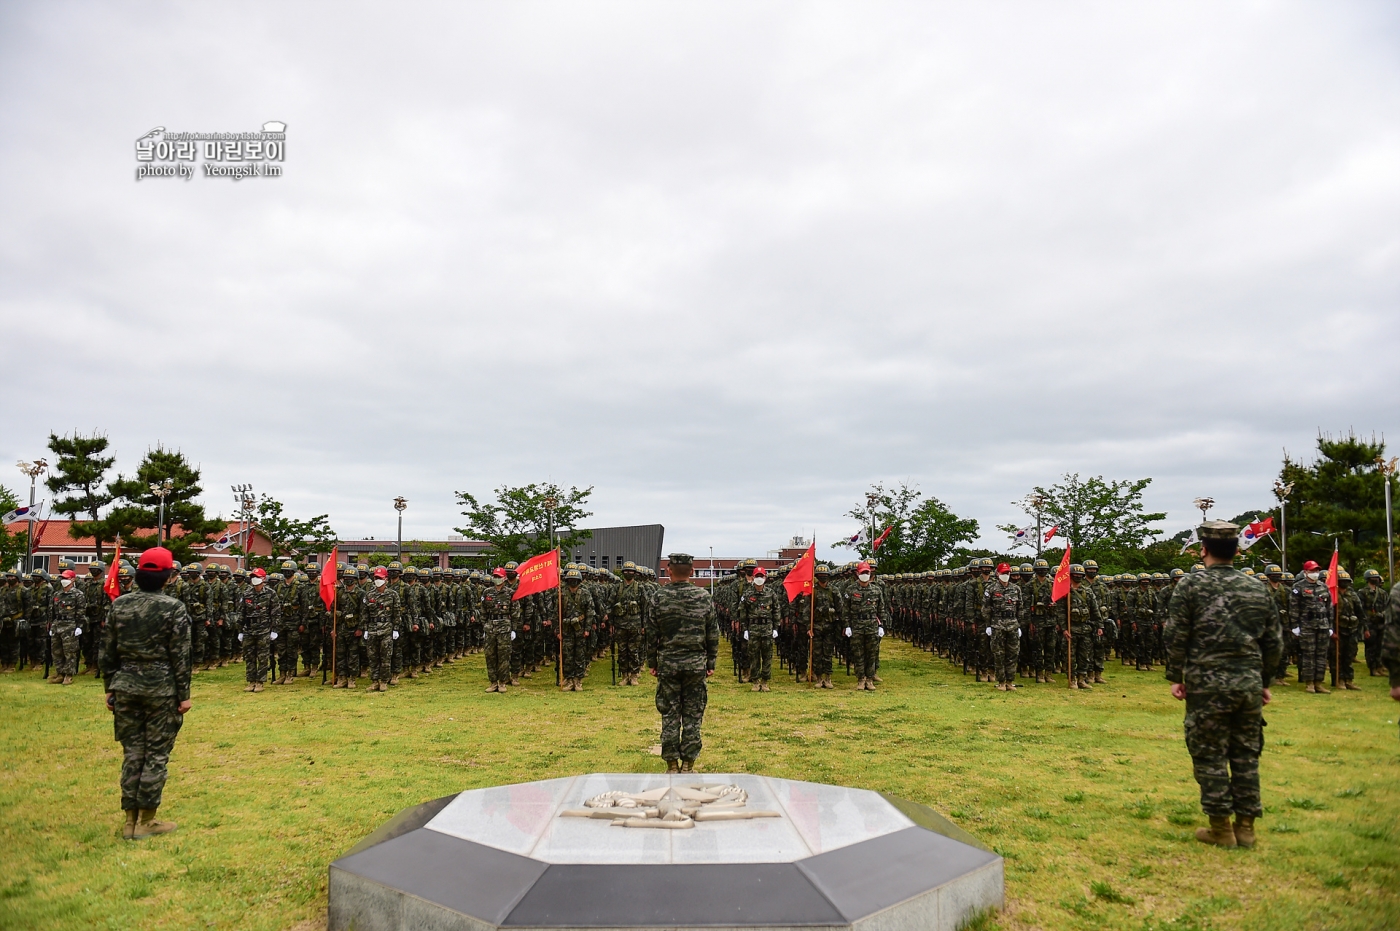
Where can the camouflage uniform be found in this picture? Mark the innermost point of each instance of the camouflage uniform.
(68, 610)
(629, 613)
(866, 610)
(1001, 611)
(1373, 598)
(259, 610)
(145, 662)
(1390, 640)
(500, 615)
(380, 612)
(757, 614)
(579, 612)
(1310, 611)
(344, 636)
(826, 622)
(682, 648)
(1085, 620)
(11, 617)
(1223, 644)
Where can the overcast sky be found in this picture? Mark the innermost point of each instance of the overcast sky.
(728, 263)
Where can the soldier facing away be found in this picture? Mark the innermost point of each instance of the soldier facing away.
(145, 664)
(1223, 642)
(684, 643)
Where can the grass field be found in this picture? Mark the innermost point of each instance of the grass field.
(1089, 797)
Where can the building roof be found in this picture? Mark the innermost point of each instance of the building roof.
(53, 534)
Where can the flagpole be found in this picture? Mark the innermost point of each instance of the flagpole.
(1069, 635)
(559, 628)
(812, 610)
(1336, 613)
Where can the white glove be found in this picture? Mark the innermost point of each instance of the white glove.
(1329, 631)
(1018, 633)
(274, 635)
(366, 635)
(848, 631)
(989, 631)
(1297, 631)
(880, 631)
(746, 635)
(512, 634)
(240, 638)
(775, 634)
(396, 635)
(77, 631)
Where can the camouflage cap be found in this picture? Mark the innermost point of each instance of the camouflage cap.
(1218, 530)
(685, 559)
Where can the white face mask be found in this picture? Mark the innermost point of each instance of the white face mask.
(380, 583)
(67, 583)
(1312, 576)
(257, 581)
(1004, 577)
(499, 581)
(864, 576)
(758, 581)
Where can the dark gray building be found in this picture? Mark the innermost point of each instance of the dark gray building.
(610, 547)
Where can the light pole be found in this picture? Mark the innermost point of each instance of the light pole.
(712, 572)
(550, 503)
(1038, 502)
(160, 490)
(1204, 505)
(1387, 469)
(399, 504)
(871, 499)
(33, 469)
(1282, 490)
(243, 497)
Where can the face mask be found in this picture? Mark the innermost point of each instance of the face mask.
(380, 583)
(758, 581)
(67, 583)
(1004, 577)
(864, 576)
(500, 581)
(1312, 576)
(257, 582)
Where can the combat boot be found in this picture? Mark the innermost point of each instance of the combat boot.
(1244, 830)
(250, 688)
(257, 686)
(350, 682)
(1220, 833)
(1084, 684)
(687, 766)
(1311, 688)
(412, 674)
(578, 685)
(764, 687)
(129, 828)
(1098, 679)
(672, 766)
(1349, 685)
(501, 688)
(757, 687)
(393, 680)
(514, 680)
(68, 680)
(148, 826)
(1321, 689)
(1073, 683)
(860, 685)
(870, 684)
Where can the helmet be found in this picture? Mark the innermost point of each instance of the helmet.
(302, 577)
(212, 568)
(512, 566)
(1371, 574)
(124, 572)
(1178, 573)
(1272, 569)
(277, 577)
(288, 566)
(1041, 564)
(1076, 569)
(239, 574)
(1026, 568)
(410, 571)
(1199, 567)
(629, 566)
(573, 575)
(194, 568)
(1144, 577)
(1343, 575)
(1090, 564)
(1158, 576)
(1288, 577)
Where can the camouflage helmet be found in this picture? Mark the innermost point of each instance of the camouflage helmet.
(1075, 569)
(1370, 574)
(749, 563)
(1199, 567)
(1178, 573)
(288, 566)
(629, 566)
(573, 575)
(1272, 569)
(1090, 564)
(410, 571)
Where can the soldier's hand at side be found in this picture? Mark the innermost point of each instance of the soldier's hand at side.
(184, 706)
(1268, 696)
(111, 703)
(1395, 693)
(708, 673)
(653, 673)
(1179, 691)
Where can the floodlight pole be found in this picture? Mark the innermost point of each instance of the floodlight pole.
(1282, 490)
(399, 504)
(160, 490)
(33, 470)
(1387, 469)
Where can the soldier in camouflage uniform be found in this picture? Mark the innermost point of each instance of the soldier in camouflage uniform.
(578, 611)
(347, 633)
(757, 612)
(1223, 643)
(500, 615)
(1390, 641)
(1001, 613)
(1085, 620)
(1373, 600)
(1279, 593)
(1310, 612)
(380, 616)
(145, 663)
(259, 611)
(866, 612)
(825, 618)
(629, 614)
(97, 602)
(11, 621)
(1103, 642)
(38, 595)
(1344, 638)
(68, 610)
(682, 647)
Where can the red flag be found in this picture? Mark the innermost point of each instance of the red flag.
(799, 580)
(538, 574)
(328, 578)
(1332, 573)
(1061, 587)
(1050, 534)
(112, 585)
(881, 538)
(1262, 527)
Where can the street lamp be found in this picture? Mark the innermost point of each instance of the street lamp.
(1204, 505)
(243, 497)
(550, 503)
(1282, 490)
(161, 490)
(871, 499)
(712, 572)
(33, 469)
(1038, 502)
(1387, 469)
(399, 504)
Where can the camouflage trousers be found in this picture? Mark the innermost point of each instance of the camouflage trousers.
(1103, 649)
(285, 646)
(576, 649)
(146, 728)
(345, 646)
(381, 654)
(257, 653)
(1373, 635)
(1006, 652)
(497, 637)
(9, 643)
(1047, 639)
(310, 643)
(1313, 647)
(199, 636)
(629, 649)
(1347, 643)
(1225, 735)
(1083, 656)
(681, 698)
(821, 651)
(65, 650)
(865, 646)
(759, 654)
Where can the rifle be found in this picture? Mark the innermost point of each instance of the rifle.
(613, 645)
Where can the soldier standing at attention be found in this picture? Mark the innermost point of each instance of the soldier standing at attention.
(145, 663)
(380, 611)
(1310, 611)
(629, 621)
(1223, 641)
(1390, 641)
(500, 615)
(578, 610)
(259, 610)
(69, 612)
(1001, 611)
(684, 643)
(1372, 619)
(757, 614)
(867, 612)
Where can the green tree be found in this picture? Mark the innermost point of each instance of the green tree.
(80, 473)
(1102, 520)
(289, 536)
(12, 545)
(1341, 496)
(923, 533)
(516, 524)
(137, 507)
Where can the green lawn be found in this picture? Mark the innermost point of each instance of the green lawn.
(1088, 796)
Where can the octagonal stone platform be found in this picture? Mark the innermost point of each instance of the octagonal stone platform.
(503, 857)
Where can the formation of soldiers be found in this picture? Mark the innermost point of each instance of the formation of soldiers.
(995, 621)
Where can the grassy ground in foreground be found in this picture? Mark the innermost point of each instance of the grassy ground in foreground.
(1089, 797)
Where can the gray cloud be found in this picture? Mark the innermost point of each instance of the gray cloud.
(730, 263)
